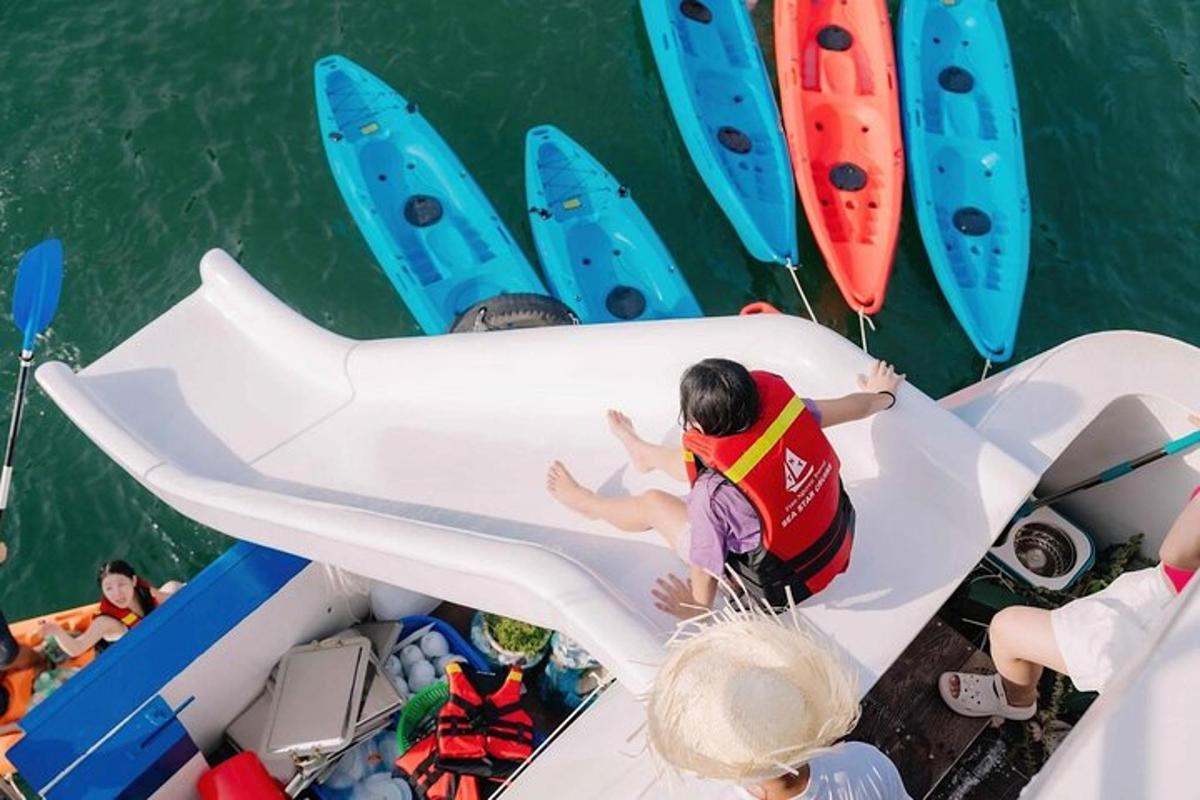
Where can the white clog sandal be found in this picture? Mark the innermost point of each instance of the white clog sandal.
(981, 696)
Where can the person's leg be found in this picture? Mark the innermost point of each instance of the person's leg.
(655, 509)
(1181, 547)
(646, 456)
(1023, 644)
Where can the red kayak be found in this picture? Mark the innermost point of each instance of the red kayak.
(837, 79)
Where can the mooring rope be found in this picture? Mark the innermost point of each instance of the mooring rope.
(796, 280)
(863, 323)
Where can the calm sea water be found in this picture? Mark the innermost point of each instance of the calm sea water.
(145, 133)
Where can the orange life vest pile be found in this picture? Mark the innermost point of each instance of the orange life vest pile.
(476, 738)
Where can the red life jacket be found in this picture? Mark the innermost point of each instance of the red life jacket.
(788, 470)
(479, 735)
(419, 766)
(126, 616)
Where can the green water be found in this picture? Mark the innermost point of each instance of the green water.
(145, 133)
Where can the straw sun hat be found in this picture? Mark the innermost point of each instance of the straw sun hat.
(747, 696)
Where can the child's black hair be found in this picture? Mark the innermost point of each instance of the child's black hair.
(720, 396)
(4, 701)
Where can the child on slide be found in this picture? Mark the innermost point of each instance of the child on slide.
(1088, 639)
(766, 499)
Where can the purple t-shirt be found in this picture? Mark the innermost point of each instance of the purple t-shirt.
(722, 519)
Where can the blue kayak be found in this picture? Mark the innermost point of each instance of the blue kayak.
(599, 253)
(428, 223)
(966, 163)
(717, 85)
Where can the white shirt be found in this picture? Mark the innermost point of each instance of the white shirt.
(851, 771)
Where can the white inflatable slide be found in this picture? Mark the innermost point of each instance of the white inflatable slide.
(421, 462)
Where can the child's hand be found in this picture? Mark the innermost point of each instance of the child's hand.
(1194, 419)
(883, 378)
(674, 596)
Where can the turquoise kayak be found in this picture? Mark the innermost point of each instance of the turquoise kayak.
(966, 163)
(718, 89)
(428, 223)
(599, 253)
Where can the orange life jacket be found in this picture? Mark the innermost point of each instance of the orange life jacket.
(126, 616)
(479, 735)
(788, 470)
(419, 766)
(19, 683)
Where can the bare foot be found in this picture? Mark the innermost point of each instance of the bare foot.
(566, 490)
(622, 428)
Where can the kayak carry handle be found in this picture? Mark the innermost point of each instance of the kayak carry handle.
(758, 307)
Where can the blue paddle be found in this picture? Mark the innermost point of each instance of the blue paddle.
(35, 299)
(1173, 447)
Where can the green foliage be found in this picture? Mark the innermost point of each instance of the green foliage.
(516, 636)
(1111, 563)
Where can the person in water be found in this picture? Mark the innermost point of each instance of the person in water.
(766, 501)
(125, 600)
(762, 701)
(1088, 639)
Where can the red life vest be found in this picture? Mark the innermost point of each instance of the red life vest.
(126, 616)
(419, 766)
(788, 470)
(479, 735)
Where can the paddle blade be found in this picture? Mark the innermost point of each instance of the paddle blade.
(39, 283)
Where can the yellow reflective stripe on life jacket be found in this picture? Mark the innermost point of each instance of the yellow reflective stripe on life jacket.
(770, 437)
(130, 619)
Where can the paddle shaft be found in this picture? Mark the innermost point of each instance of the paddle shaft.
(1124, 468)
(14, 428)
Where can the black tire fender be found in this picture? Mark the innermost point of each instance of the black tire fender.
(512, 311)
